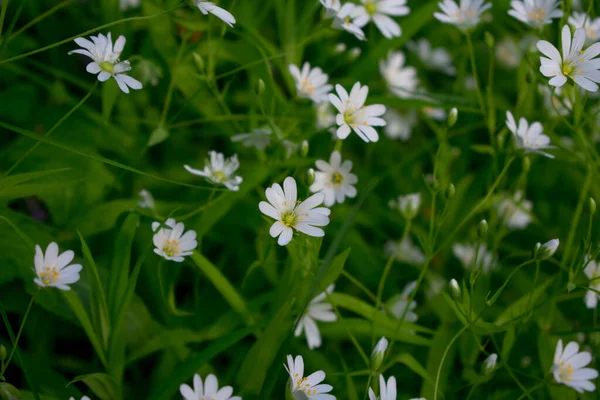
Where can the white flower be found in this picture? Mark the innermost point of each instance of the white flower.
(402, 81)
(331, 7)
(400, 303)
(334, 180)
(354, 115)
(592, 271)
(464, 17)
(546, 250)
(318, 310)
(552, 101)
(404, 251)
(355, 52)
(106, 61)
(340, 47)
(149, 72)
(220, 170)
(466, 254)
(306, 388)
(380, 347)
(508, 53)
(311, 83)
(209, 7)
(568, 367)
(408, 205)
(575, 63)
(536, 13)
(439, 114)
(515, 211)
(259, 138)
(325, 116)
(291, 214)
(529, 138)
(435, 59)
(147, 201)
(53, 270)
(379, 12)
(209, 389)
(170, 241)
(591, 25)
(83, 398)
(342, 20)
(386, 392)
(400, 125)
(490, 363)
(125, 4)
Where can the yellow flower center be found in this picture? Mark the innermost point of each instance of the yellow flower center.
(307, 86)
(289, 219)
(537, 14)
(568, 69)
(107, 66)
(171, 248)
(350, 117)
(220, 175)
(49, 275)
(565, 372)
(337, 179)
(371, 7)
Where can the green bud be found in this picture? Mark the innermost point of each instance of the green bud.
(9, 392)
(310, 176)
(199, 61)
(260, 87)
(489, 40)
(545, 251)
(571, 286)
(455, 290)
(490, 364)
(450, 192)
(592, 206)
(378, 354)
(526, 164)
(159, 135)
(452, 117)
(2, 353)
(304, 148)
(482, 229)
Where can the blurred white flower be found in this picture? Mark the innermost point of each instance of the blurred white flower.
(311, 83)
(354, 115)
(489, 364)
(529, 138)
(284, 207)
(568, 367)
(404, 251)
(386, 391)
(325, 117)
(342, 20)
(592, 271)
(170, 241)
(106, 61)
(439, 114)
(73, 398)
(53, 270)
(355, 52)
(575, 63)
(552, 101)
(318, 310)
(591, 25)
(259, 138)
(469, 83)
(546, 250)
(515, 211)
(408, 205)
(535, 13)
(220, 170)
(379, 11)
(466, 254)
(400, 125)
(126, 4)
(331, 7)
(207, 7)
(400, 303)
(401, 80)
(306, 388)
(435, 59)
(147, 201)
(464, 17)
(508, 53)
(334, 180)
(209, 389)
(149, 72)
(340, 48)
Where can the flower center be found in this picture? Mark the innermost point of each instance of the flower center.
(565, 372)
(337, 179)
(289, 218)
(307, 86)
(537, 14)
(350, 117)
(371, 7)
(568, 69)
(171, 248)
(49, 275)
(107, 66)
(303, 385)
(220, 175)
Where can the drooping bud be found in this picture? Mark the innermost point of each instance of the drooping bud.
(310, 176)
(304, 148)
(450, 192)
(378, 354)
(482, 229)
(452, 117)
(409, 205)
(546, 250)
(592, 206)
(199, 61)
(260, 87)
(490, 364)
(455, 290)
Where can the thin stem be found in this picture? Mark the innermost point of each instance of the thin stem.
(2, 17)
(39, 18)
(200, 209)
(439, 372)
(475, 76)
(165, 110)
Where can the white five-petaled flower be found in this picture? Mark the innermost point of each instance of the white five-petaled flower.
(592, 271)
(311, 83)
(400, 125)
(515, 211)
(106, 61)
(568, 367)
(408, 205)
(591, 25)
(399, 304)
(354, 115)
(306, 388)
(575, 63)
(435, 59)
(404, 251)
(318, 310)
(334, 180)
(53, 270)
(465, 16)
(386, 391)
(379, 12)
(466, 254)
(220, 170)
(401, 80)
(529, 137)
(170, 241)
(290, 214)
(207, 7)
(343, 20)
(536, 13)
(209, 390)
(259, 138)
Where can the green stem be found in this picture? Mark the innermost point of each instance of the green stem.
(40, 18)
(439, 372)
(535, 280)
(16, 342)
(2, 17)
(514, 271)
(200, 209)
(475, 76)
(575, 220)
(165, 110)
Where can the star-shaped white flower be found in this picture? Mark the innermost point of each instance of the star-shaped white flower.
(170, 241)
(465, 16)
(147, 201)
(435, 59)
(311, 83)
(515, 211)
(209, 390)
(207, 7)
(343, 20)
(401, 80)
(386, 391)
(220, 170)
(318, 310)
(568, 367)
(466, 254)
(53, 270)
(399, 304)
(306, 388)
(379, 11)
(404, 251)
(508, 53)
(535, 13)
(334, 180)
(592, 271)
(591, 25)
(529, 137)
(259, 138)
(400, 125)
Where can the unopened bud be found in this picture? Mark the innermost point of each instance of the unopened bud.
(9, 392)
(482, 229)
(260, 87)
(545, 251)
(355, 52)
(378, 354)
(489, 40)
(310, 176)
(452, 117)
(592, 206)
(455, 290)
(490, 364)
(409, 205)
(304, 148)
(199, 61)
(2, 353)
(570, 287)
(340, 48)
(450, 192)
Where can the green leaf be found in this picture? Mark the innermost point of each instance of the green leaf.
(412, 363)
(483, 149)
(333, 271)
(159, 135)
(102, 385)
(341, 329)
(14, 180)
(521, 306)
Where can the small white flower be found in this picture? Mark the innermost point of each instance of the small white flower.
(552, 101)
(435, 59)
(400, 125)
(306, 388)
(331, 7)
(342, 20)
(508, 53)
(220, 170)
(515, 211)
(53, 270)
(311, 83)
(325, 116)
(575, 63)
(490, 363)
(340, 48)
(355, 52)
(209, 7)
(386, 392)
(568, 367)
(283, 206)
(149, 72)
(379, 11)
(334, 180)
(466, 254)
(546, 250)
(464, 17)
(259, 138)
(408, 205)
(401, 80)
(209, 389)
(170, 241)
(318, 310)
(404, 251)
(354, 115)
(529, 138)
(106, 61)
(535, 13)
(147, 201)
(592, 271)
(439, 114)
(400, 303)
(380, 347)
(591, 25)
(126, 4)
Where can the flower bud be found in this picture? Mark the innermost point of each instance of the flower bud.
(310, 176)
(355, 52)
(9, 392)
(260, 87)
(409, 205)
(455, 290)
(452, 117)
(571, 286)
(490, 364)
(450, 192)
(2, 353)
(545, 251)
(482, 229)
(378, 353)
(489, 40)
(199, 61)
(304, 148)
(340, 48)
(592, 206)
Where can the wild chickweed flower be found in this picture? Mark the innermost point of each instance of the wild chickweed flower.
(399, 304)
(489, 364)
(334, 180)
(404, 251)
(529, 137)
(311, 83)
(515, 211)
(592, 271)
(343, 20)
(170, 241)
(331, 7)
(53, 270)
(465, 16)
(106, 61)
(325, 117)
(466, 254)
(434, 59)
(379, 12)
(259, 138)
(306, 388)
(149, 72)
(209, 390)
(378, 353)
(399, 125)
(207, 7)
(290, 214)
(439, 114)
(408, 205)
(354, 115)
(386, 391)
(557, 101)
(318, 310)
(591, 25)
(508, 53)
(535, 13)
(147, 201)
(220, 170)
(546, 250)
(126, 4)
(569, 370)
(401, 81)
(575, 63)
